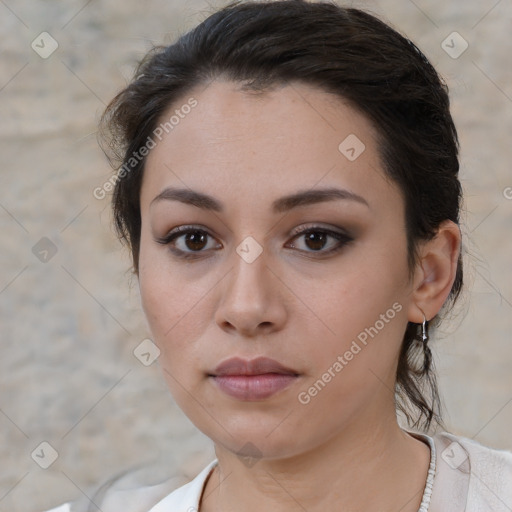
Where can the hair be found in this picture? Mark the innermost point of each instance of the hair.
(340, 50)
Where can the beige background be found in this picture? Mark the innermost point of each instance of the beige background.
(69, 326)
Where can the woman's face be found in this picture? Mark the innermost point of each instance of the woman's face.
(329, 305)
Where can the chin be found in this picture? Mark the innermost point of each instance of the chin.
(253, 435)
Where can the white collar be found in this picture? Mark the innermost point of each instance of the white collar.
(186, 498)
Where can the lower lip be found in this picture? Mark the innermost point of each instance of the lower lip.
(253, 387)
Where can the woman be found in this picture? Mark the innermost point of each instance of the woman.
(288, 187)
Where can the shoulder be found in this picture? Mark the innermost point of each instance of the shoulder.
(186, 498)
(66, 507)
(179, 494)
(482, 457)
(135, 499)
(484, 473)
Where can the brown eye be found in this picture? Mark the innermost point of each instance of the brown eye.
(195, 240)
(315, 240)
(323, 241)
(185, 241)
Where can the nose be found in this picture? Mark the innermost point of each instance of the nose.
(252, 302)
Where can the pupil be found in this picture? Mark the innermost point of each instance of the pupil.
(317, 239)
(195, 238)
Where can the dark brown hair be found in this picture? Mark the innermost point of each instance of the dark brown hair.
(340, 50)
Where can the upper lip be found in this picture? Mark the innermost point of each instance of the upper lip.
(258, 366)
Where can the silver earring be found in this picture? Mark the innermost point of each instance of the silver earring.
(424, 327)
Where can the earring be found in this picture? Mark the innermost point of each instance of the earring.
(424, 333)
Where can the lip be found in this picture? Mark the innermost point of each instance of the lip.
(257, 366)
(251, 380)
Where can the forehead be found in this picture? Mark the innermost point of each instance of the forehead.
(239, 143)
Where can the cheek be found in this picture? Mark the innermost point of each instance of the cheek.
(161, 288)
(155, 302)
(163, 305)
(355, 300)
(176, 309)
(365, 313)
(354, 369)
(171, 330)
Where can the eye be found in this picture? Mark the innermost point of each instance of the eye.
(191, 241)
(185, 241)
(316, 239)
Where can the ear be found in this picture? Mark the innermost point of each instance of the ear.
(435, 272)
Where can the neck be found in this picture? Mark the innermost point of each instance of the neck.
(365, 469)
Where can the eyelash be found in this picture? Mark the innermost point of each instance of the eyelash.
(343, 239)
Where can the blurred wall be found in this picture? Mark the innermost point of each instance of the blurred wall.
(70, 315)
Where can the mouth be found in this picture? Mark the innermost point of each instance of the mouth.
(252, 380)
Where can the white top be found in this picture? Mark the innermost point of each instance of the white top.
(463, 474)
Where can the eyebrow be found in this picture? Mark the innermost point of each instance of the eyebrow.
(283, 204)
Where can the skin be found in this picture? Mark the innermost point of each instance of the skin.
(344, 449)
